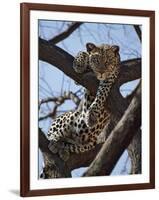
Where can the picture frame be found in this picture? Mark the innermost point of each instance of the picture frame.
(29, 80)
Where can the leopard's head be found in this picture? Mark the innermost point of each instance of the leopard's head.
(103, 59)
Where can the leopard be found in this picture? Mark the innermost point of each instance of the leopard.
(78, 131)
(104, 61)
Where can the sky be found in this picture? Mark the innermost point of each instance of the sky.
(118, 34)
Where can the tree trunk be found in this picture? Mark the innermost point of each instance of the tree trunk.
(134, 151)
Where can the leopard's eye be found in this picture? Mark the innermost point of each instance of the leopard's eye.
(95, 59)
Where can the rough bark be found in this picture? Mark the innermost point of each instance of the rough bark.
(134, 151)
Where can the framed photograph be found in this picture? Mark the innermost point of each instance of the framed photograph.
(87, 99)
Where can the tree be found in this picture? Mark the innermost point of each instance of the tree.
(131, 105)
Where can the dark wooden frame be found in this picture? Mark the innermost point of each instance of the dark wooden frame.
(25, 103)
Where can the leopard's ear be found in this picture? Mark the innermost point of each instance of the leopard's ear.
(90, 47)
(115, 48)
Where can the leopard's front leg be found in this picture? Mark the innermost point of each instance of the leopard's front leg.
(92, 116)
(96, 108)
(81, 62)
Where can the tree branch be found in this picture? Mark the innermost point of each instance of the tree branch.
(58, 101)
(51, 114)
(61, 99)
(129, 70)
(138, 31)
(119, 139)
(65, 33)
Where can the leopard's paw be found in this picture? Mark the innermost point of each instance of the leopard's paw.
(80, 62)
(53, 147)
(64, 154)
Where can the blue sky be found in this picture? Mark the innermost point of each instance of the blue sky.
(52, 82)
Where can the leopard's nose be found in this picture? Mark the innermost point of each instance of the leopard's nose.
(101, 77)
